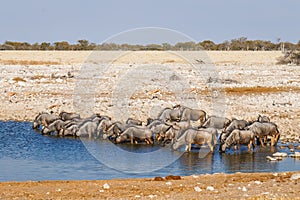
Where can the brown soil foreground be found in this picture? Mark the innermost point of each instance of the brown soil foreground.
(216, 186)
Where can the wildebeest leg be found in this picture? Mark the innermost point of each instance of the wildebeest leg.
(265, 139)
(261, 142)
(188, 147)
(211, 146)
(157, 136)
(150, 141)
(277, 138)
(249, 145)
(253, 144)
(273, 140)
(61, 132)
(131, 140)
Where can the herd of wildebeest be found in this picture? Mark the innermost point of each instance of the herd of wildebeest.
(173, 127)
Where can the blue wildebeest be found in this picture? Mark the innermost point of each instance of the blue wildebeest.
(134, 122)
(68, 116)
(195, 136)
(43, 119)
(235, 124)
(264, 129)
(189, 114)
(238, 137)
(136, 133)
(169, 114)
(216, 122)
(55, 126)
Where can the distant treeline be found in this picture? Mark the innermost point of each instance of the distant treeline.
(242, 44)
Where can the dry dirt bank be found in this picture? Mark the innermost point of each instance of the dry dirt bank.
(216, 186)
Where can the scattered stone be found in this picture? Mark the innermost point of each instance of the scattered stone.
(58, 190)
(280, 154)
(244, 189)
(295, 177)
(282, 147)
(278, 158)
(137, 196)
(171, 177)
(290, 146)
(257, 182)
(210, 188)
(275, 174)
(271, 158)
(106, 186)
(265, 193)
(194, 176)
(158, 178)
(101, 191)
(295, 155)
(169, 183)
(292, 150)
(151, 196)
(197, 189)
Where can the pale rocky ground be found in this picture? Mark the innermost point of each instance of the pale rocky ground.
(139, 84)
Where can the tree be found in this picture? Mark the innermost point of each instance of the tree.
(45, 46)
(83, 44)
(208, 45)
(61, 45)
(166, 46)
(185, 46)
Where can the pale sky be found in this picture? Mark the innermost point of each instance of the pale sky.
(96, 20)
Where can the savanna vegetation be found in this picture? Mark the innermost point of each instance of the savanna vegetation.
(242, 44)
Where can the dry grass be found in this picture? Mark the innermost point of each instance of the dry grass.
(19, 79)
(28, 62)
(259, 90)
(38, 77)
(244, 90)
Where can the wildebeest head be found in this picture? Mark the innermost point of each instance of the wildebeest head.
(45, 130)
(72, 130)
(223, 147)
(262, 118)
(175, 145)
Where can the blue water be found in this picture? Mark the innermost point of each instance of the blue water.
(25, 154)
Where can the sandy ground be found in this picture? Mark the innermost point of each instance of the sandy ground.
(216, 186)
(139, 84)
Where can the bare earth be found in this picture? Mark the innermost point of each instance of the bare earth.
(216, 186)
(139, 84)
